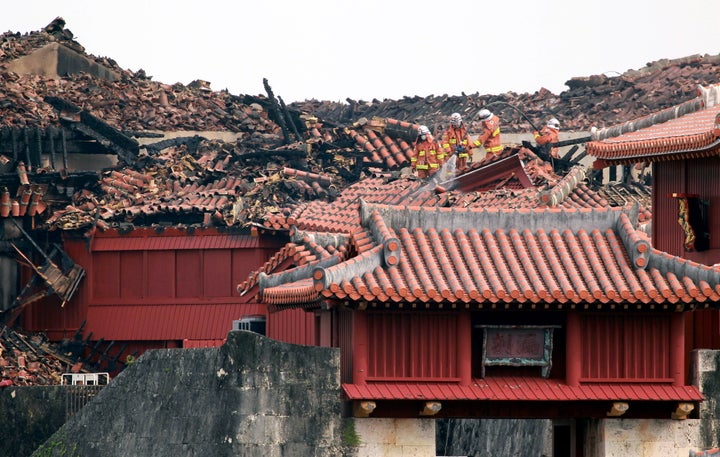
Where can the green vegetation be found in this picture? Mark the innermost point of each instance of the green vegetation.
(349, 435)
(57, 447)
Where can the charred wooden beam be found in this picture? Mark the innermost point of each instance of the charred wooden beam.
(289, 118)
(275, 112)
(264, 153)
(108, 136)
(191, 141)
(64, 150)
(37, 156)
(28, 162)
(51, 138)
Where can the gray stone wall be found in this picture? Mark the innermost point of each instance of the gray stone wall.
(29, 415)
(251, 397)
(705, 364)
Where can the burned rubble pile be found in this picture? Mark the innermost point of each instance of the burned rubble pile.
(134, 103)
(593, 101)
(30, 360)
(280, 157)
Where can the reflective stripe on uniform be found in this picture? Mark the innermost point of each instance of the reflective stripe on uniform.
(434, 165)
(495, 149)
(463, 155)
(496, 132)
(422, 167)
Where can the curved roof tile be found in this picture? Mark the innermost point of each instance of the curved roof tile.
(593, 257)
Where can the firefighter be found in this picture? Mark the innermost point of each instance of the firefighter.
(455, 140)
(425, 162)
(490, 135)
(549, 134)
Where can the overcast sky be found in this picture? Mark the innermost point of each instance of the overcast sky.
(333, 49)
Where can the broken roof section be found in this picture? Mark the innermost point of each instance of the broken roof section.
(597, 100)
(278, 159)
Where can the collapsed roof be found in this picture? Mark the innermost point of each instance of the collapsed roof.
(279, 156)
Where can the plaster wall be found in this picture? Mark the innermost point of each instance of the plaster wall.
(643, 437)
(395, 437)
(55, 60)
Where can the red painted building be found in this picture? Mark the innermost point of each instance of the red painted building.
(540, 301)
(593, 316)
(681, 144)
(148, 289)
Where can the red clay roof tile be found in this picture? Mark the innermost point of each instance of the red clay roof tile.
(590, 262)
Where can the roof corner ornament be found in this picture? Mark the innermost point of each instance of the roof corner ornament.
(363, 408)
(431, 408)
(618, 409)
(682, 411)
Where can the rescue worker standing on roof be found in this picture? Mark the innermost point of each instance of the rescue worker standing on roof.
(549, 134)
(455, 140)
(490, 135)
(425, 162)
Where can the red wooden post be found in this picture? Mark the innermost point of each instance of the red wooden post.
(677, 348)
(360, 349)
(573, 350)
(464, 348)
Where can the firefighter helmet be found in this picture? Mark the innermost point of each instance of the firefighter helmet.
(423, 130)
(554, 124)
(484, 114)
(455, 119)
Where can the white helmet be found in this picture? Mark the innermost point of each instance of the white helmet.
(423, 130)
(455, 119)
(554, 124)
(484, 114)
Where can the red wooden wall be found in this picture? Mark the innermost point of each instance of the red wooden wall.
(156, 289)
(694, 176)
(626, 347)
(292, 326)
(412, 346)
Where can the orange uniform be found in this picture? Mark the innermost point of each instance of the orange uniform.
(425, 162)
(490, 136)
(548, 135)
(456, 140)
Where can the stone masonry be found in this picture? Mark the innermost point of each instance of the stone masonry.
(251, 397)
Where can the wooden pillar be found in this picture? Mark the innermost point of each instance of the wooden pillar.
(464, 348)
(677, 348)
(360, 347)
(573, 349)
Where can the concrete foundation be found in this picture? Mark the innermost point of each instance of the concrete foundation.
(395, 437)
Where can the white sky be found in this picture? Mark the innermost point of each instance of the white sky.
(336, 49)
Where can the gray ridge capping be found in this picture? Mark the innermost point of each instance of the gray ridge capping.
(680, 267)
(296, 274)
(324, 239)
(410, 218)
(357, 266)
